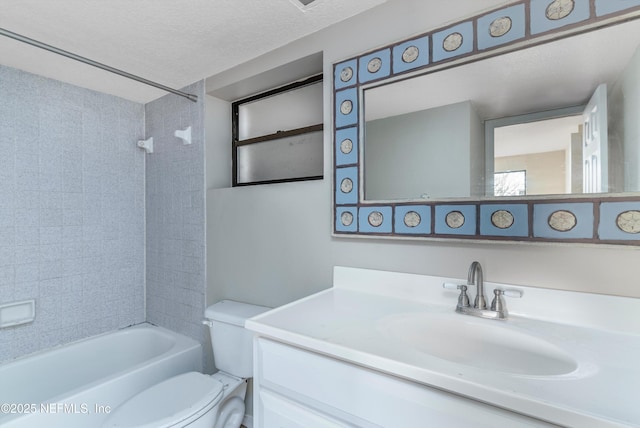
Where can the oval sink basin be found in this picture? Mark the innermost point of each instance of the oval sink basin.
(484, 344)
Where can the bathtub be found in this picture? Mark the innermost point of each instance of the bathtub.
(77, 385)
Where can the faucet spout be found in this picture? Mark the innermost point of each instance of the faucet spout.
(498, 309)
(475, 277)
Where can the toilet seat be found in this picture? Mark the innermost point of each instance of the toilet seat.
(175, 401)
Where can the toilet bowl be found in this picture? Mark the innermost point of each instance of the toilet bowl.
(197, 400)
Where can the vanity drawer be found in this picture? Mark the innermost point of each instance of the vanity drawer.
(363, 397)
(278, 411)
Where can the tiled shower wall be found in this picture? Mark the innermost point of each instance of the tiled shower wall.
(71, 210)
(175, 189)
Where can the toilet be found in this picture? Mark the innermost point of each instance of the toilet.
(193, 399)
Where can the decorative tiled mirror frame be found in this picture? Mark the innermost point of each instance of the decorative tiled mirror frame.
(596, 220)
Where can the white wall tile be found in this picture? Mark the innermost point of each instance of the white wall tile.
(57, 144)
(175, 215)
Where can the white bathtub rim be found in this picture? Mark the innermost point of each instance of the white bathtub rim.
(182, 345)
(180, 339)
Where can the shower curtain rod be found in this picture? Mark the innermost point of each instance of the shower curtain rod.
(88, 61)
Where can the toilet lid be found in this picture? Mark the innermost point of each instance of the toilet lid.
(168, 403)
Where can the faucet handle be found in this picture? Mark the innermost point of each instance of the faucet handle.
(511, 292)
(498, 304)
(452, 286)
(463, 298)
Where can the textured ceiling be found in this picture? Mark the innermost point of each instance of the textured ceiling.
(172, 42)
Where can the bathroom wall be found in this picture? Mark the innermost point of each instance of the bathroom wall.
(71, 210)
(272, 244)
(546, 171)
(415, 165)
(631, 86)
(175, 192)
(217, 114)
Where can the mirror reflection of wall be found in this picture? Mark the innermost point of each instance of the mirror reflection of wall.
(428, 154)
(624, 123)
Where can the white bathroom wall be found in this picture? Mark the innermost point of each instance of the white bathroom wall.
(218, 134)
(272, 244)
(546, 171)
(71, 210)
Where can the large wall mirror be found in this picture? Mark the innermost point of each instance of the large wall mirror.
(522, 123)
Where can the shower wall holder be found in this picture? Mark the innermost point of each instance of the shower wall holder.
(17, 313)
(184, 135)
(147, 145)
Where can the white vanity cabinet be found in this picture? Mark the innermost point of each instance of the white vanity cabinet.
(297, 388)
(387, 349)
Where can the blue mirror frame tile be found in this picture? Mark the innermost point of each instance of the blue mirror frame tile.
(343, 117)
(514, 16)
(465, 33)
(384, 58)
(577, 224)
(619, 221)
(598, 219)
(400, 64)
(519, 226)
(606, 7)
(466, 212)
(350, 195)
(351, 67)
(344, 138)
(346, 219)
(412, 220)
(368, 217)
(540, 23)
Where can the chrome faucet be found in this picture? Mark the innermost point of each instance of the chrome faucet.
(498, 308)
(475, 277)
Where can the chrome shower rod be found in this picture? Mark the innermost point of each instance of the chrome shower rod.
(88, 61)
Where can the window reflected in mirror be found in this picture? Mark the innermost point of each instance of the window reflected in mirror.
(510, 183)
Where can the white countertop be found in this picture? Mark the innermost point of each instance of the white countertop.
(602, 333)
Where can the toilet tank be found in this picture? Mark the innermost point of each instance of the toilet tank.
(232, 343)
